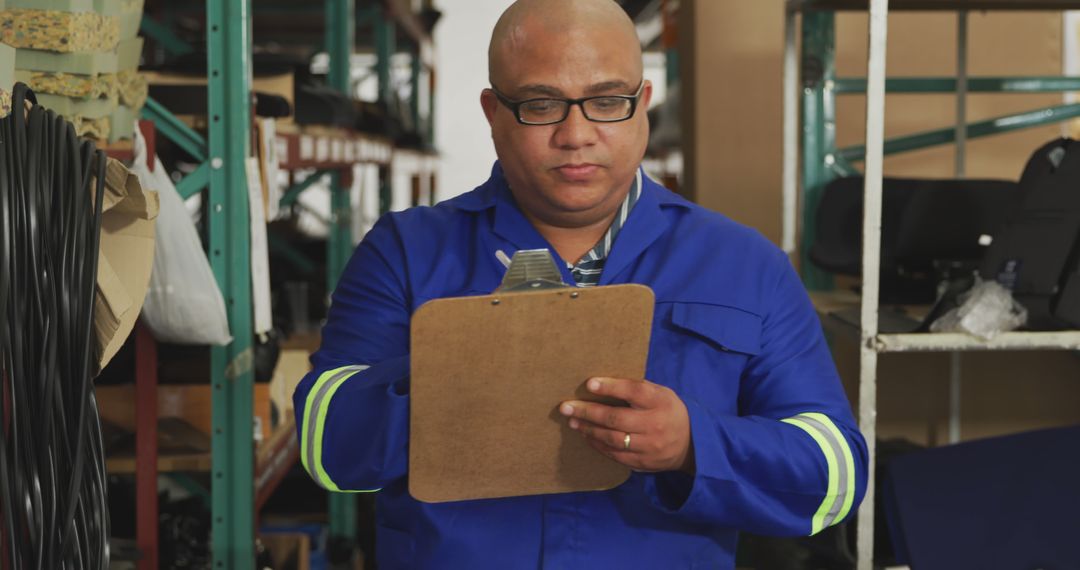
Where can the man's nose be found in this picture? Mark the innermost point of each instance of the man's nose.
(575, 131)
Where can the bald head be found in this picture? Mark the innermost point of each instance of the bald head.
(533, 23)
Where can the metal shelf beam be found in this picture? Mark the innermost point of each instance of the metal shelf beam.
(989, 127)
(949, 342)
(849, 86)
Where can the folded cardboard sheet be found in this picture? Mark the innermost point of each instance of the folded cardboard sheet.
(126, 257)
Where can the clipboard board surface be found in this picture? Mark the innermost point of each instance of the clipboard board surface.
(488, 374)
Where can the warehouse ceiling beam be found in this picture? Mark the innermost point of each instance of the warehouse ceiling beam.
(849, 86)
(175, 130)
(173, 44)
(1005, 124)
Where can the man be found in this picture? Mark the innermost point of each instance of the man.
(741, 423)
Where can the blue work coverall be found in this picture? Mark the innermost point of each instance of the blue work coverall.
(734, 335)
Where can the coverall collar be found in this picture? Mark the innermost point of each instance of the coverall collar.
(644, 225)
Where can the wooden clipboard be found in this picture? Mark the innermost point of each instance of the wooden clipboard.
(488, 374)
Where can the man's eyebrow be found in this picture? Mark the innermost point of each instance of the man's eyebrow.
(604, 87)
(539, 89)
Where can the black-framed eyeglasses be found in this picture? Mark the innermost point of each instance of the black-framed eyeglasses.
(549, 110)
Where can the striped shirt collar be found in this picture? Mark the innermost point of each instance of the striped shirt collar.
(588, 269)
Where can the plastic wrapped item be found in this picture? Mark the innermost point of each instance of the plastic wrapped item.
(183, 304)
(985, 311)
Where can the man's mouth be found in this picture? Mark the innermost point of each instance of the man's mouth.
(578, 171)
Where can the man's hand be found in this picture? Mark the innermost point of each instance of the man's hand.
(656, 421)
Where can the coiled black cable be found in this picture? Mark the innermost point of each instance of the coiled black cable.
(52, 467)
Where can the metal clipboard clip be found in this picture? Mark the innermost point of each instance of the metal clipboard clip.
(532, 270)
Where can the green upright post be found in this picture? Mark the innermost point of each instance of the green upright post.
(385, 46)
(232, 455)
(818, 130)
(340, 29)
(414, 98)
(430, 131)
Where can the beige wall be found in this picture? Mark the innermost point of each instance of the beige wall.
(732, 102)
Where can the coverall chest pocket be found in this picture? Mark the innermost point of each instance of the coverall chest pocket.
(700, 350)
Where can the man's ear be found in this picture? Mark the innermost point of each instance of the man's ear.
(488, 102)
(646, 95)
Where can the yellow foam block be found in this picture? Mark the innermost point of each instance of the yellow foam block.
(64, 32)
(5, 103)
(102, 86)
(134, 89)
(99, 128)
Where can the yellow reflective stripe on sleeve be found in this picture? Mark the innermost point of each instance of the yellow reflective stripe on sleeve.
(316, 407)
(818, 521)
(840, 493)
(847, 460)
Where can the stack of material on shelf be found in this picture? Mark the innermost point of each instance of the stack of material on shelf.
(81, 58)
(7, 78)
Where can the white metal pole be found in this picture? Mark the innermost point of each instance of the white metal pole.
(791, 126)
(956, 359)
(868, 355)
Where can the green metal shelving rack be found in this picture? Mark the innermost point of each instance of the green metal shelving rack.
(222, 174)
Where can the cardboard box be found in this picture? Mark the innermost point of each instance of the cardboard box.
(189, 402)
(126, 257)
(292, 365)
(290, 551)
(281, 85)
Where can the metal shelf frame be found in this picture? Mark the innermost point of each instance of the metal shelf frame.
(222, 155)
(221, 173)
(822, 162)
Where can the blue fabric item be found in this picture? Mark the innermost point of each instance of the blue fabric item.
(1005, 502)
(734, 335)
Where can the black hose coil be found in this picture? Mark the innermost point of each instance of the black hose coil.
(52, 469)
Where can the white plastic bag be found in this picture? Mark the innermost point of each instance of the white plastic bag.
(986, 310)
(183, 304)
